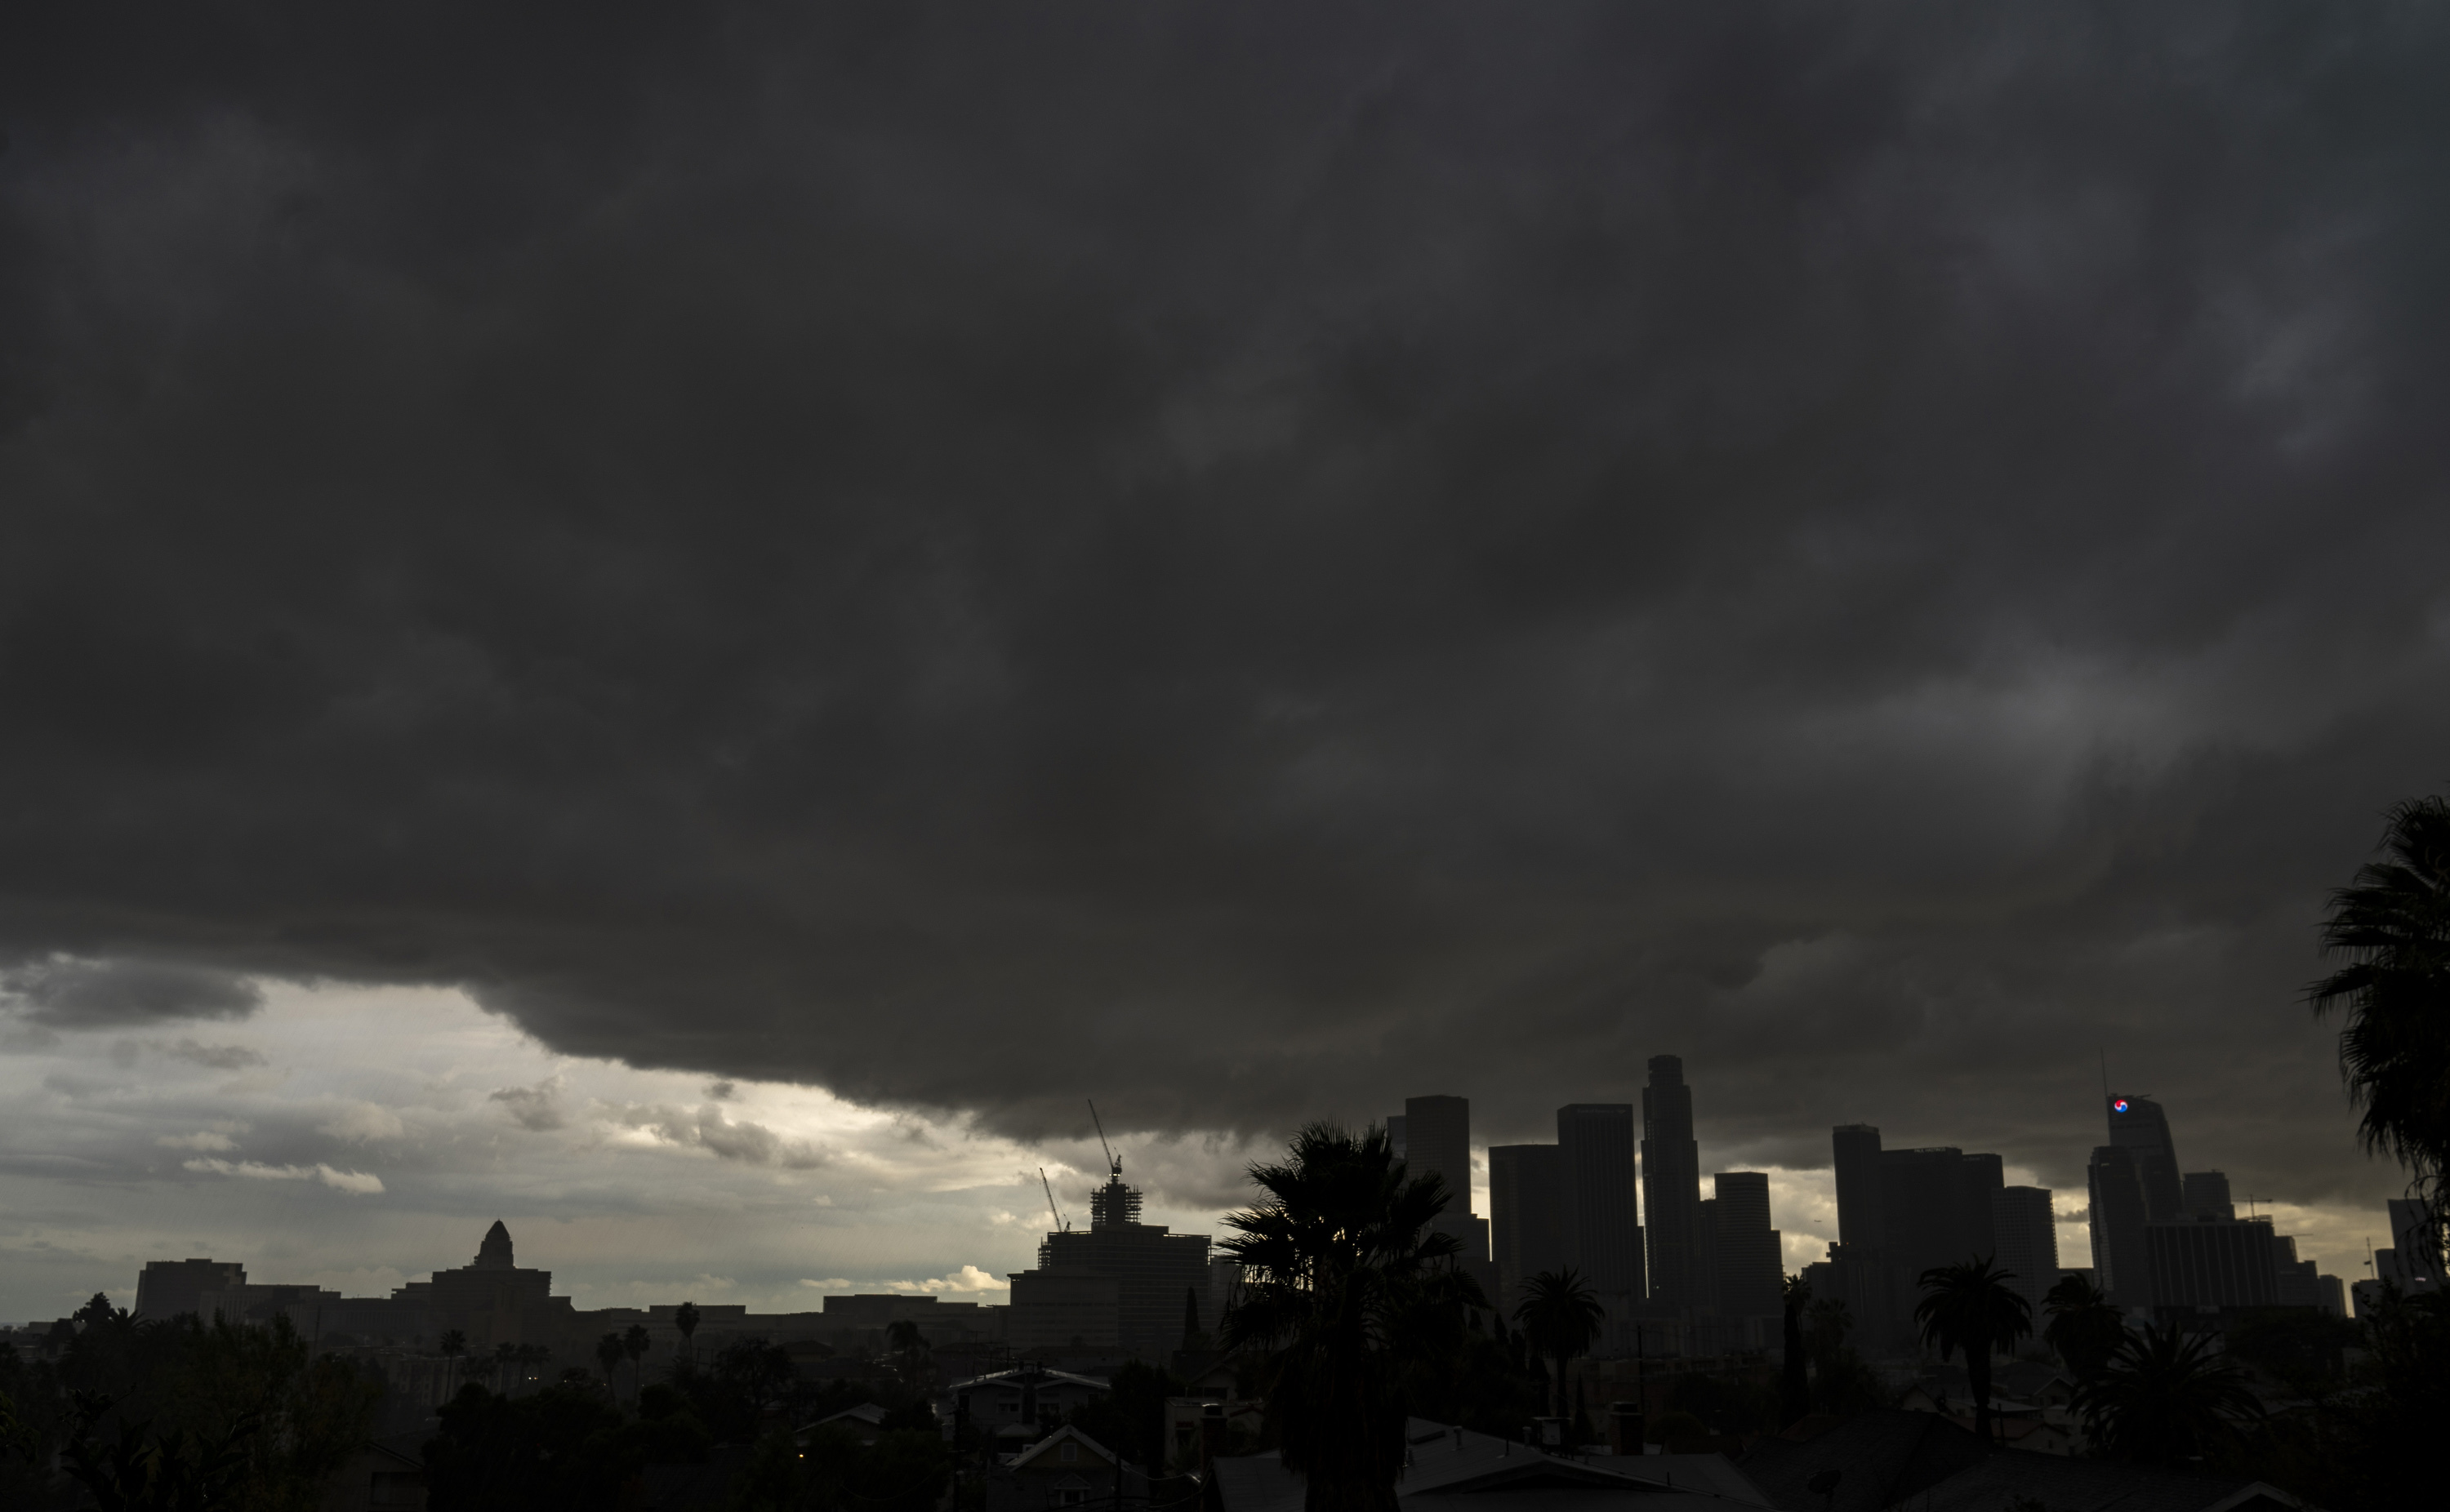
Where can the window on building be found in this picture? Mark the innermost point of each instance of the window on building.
(1070, 1451)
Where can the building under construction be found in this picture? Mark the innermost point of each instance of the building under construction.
(1153, 1269)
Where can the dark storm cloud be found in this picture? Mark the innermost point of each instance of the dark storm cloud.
(1245, 561)
(68, 994)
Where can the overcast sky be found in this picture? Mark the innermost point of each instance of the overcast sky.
(933, 563)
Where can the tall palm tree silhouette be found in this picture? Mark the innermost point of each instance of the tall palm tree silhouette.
(2392, 925)
(1967, 1306)
(1344, 1287)
(1560, 1315)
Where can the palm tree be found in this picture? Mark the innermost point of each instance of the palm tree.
(505, 1355)
(685, 1319)
(1967, 1306)
(1561, 1317)
(2165, 1398)
(2392, 925)
(1344, 1287)
(2085, 1329)
(453, 1343)
(634, 1344)
(610, 1351)
(1795, 1383)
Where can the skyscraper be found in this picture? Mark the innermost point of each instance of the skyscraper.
(1671, 1183)
(1525, 1223)
(1600, 1226)
(2027, 1235)
(2138, 1126)
(2120, 1263)
(1746, 1256)
(2204, 1195)
(1856, 1148)
(1438, 1141)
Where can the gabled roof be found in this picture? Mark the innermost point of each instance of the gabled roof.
(1881, 1457)
(1502, 1476)
(867, 1412)
(1044, 1448)
(1011, 1380)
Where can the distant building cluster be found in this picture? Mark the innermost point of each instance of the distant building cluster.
(1703, 1276)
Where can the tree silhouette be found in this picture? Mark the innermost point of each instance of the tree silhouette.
(1560, 1318)
(1794, 1383)
(2392, 925)
(1345, 1289)
(610, 1351)
(1967, 1306)
(2085, 1329)
(2166, 1398)
(685, 1319)
(453, 1343)
(634, 1343)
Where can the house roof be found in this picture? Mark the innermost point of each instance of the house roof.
(1884, 1459)
(1045, 1447)
(2068, 1485)
(867, 1412)
(1012, 1379)
(1500, 1476)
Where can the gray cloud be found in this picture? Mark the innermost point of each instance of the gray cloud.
(1245, 563)
(536, 1108)
(72, 994)
(216, 1057)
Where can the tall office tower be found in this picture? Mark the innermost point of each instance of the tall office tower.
(2138, 1126)
(1856, 1148)
(1524, 1221)
(2412, 1263)
(2120, 1262)
(1671, 1183)
(2028, 1241)
(1749, 1267)
(1980, 1178)
(2204, 1195)
(1600, 1227)
(1921, 1190)
(1705, 1257)
(1438, 1141)
(1395, 1136)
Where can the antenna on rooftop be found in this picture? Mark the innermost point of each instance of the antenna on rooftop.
(1061, 1223)
(1114, 1166)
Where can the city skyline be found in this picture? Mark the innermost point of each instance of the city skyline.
(973, 1203)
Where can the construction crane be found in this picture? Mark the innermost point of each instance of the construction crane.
(2250, 1200)
(1113, 1162)
(1061, 1224)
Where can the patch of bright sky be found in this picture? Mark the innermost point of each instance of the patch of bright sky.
(356, 1137)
